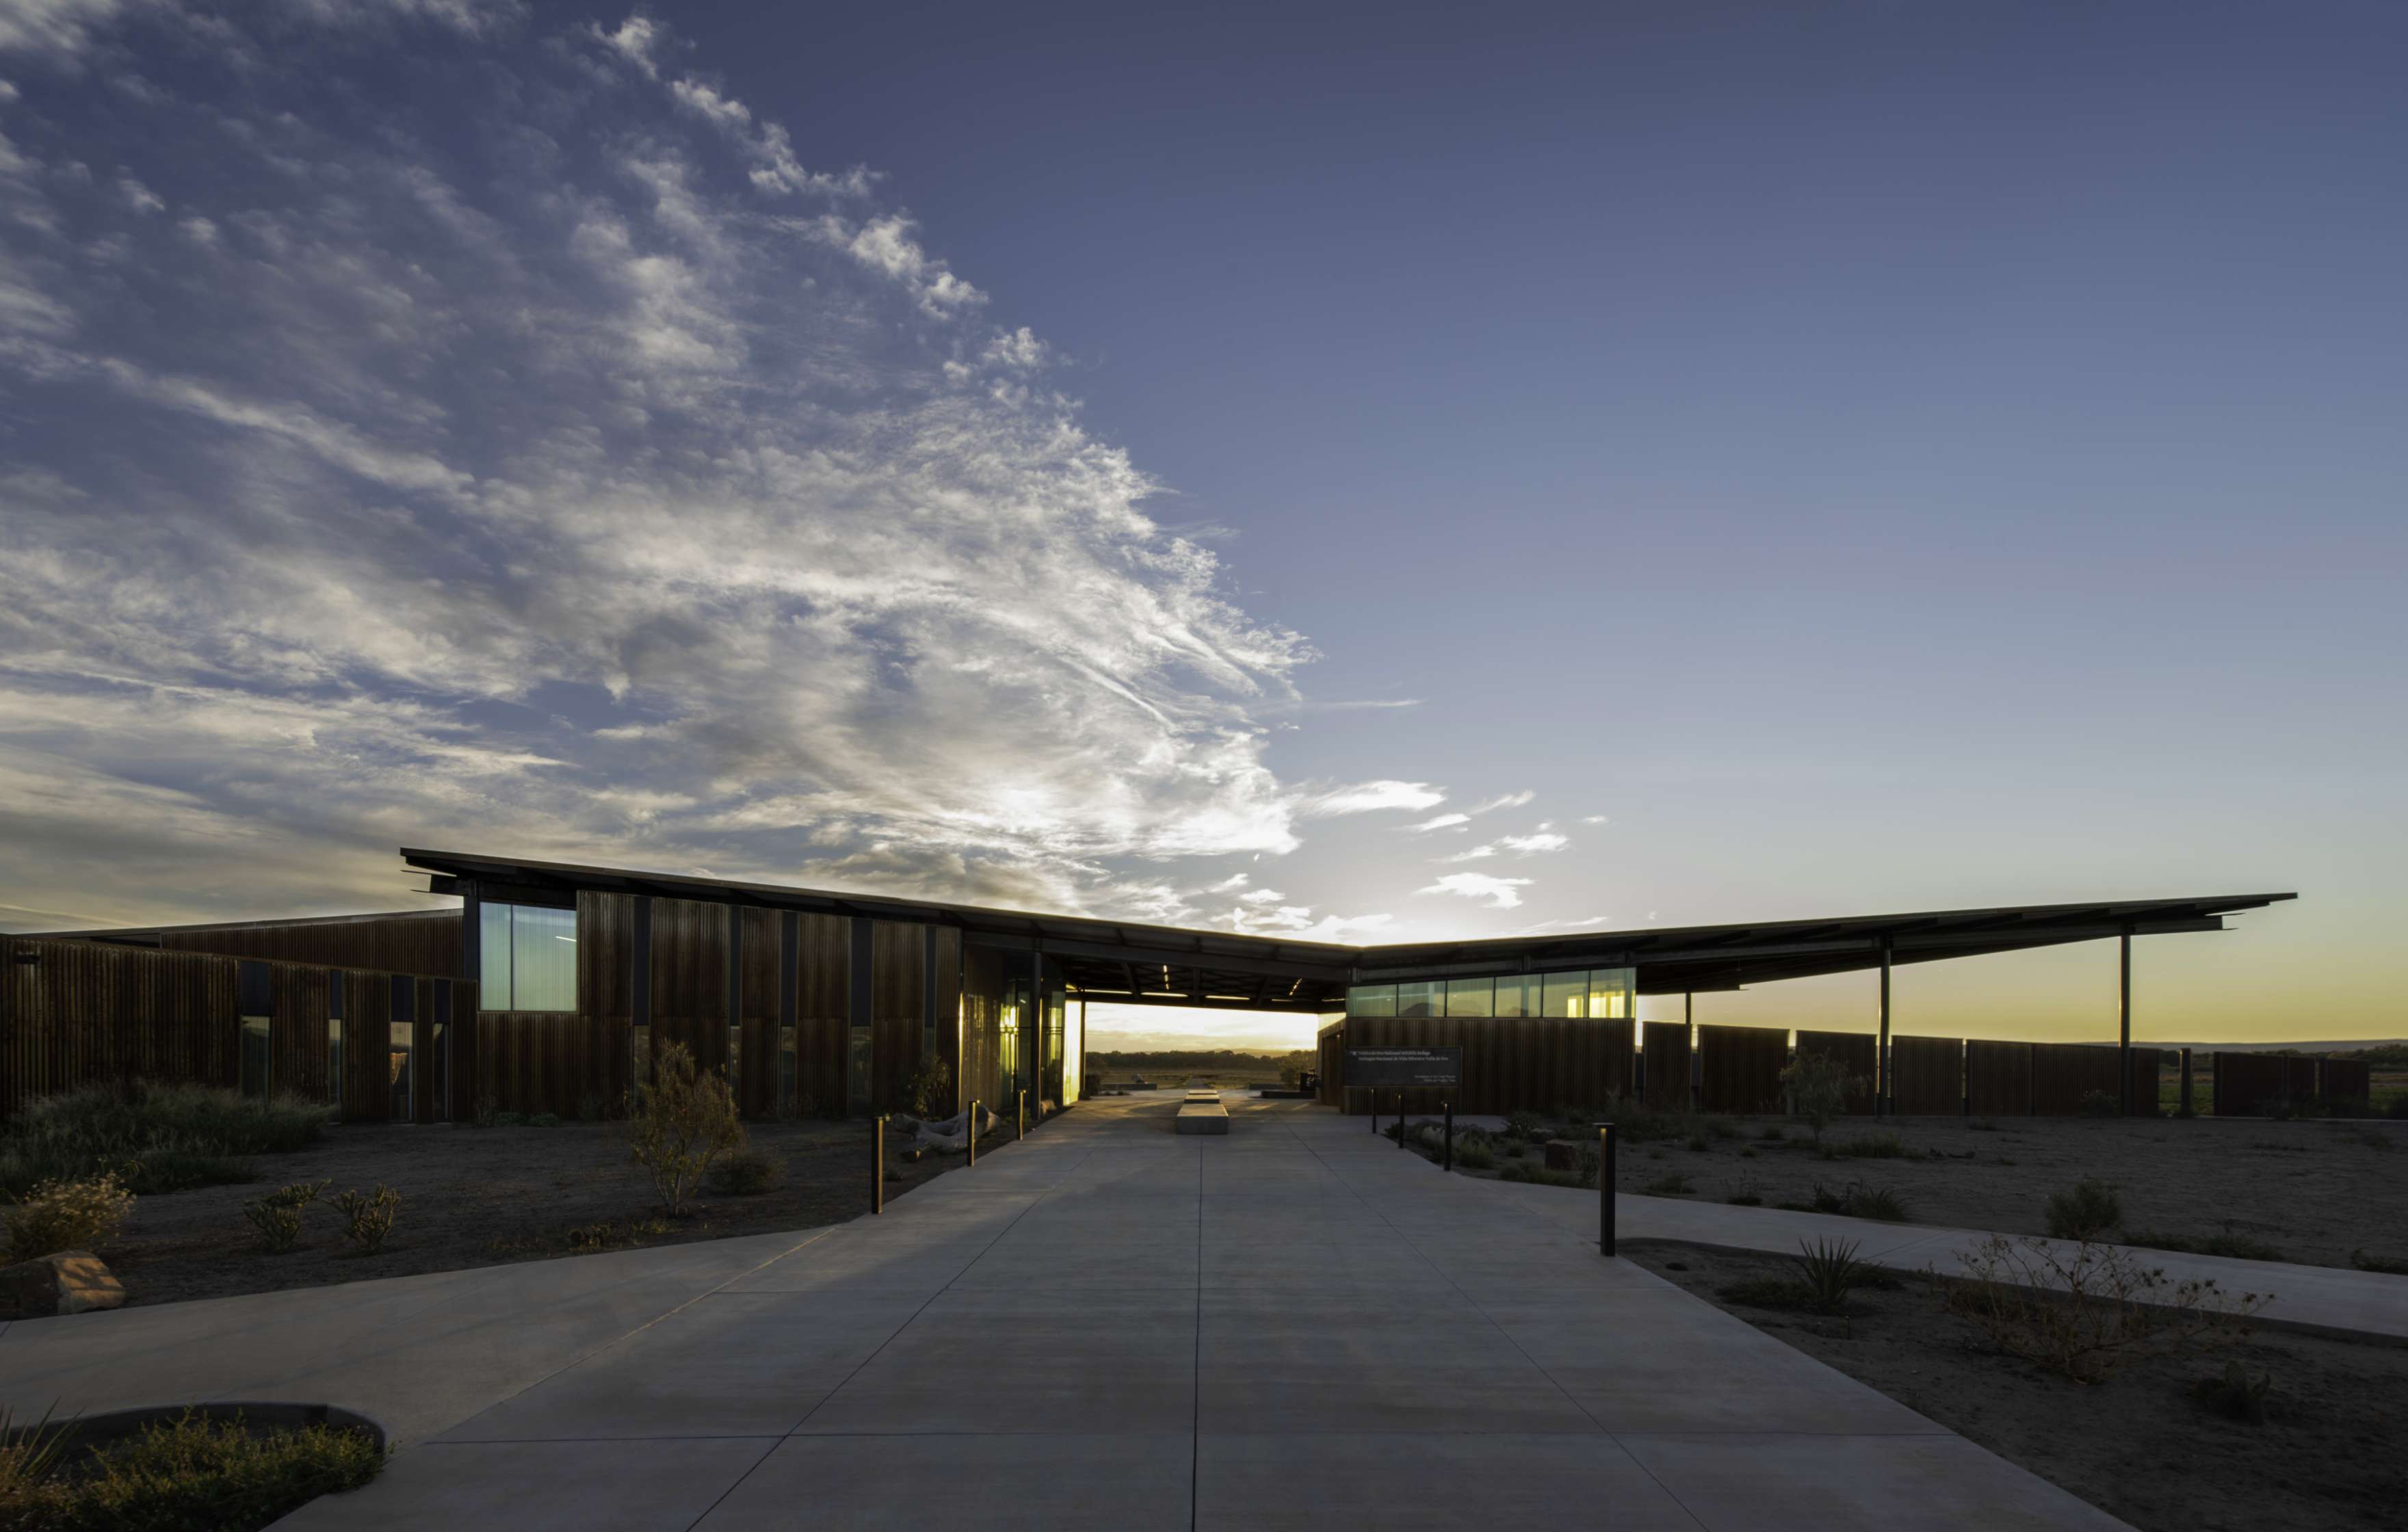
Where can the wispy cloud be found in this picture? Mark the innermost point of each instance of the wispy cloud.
(1369, 797)
(1496, 893)
(591, 478)
(1541, 839)
(1510, 800)
(1438, 822)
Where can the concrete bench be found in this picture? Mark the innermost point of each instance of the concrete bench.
(1202, 1112)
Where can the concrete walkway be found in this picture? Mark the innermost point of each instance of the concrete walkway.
(1295, 1325)
(2318, 1299)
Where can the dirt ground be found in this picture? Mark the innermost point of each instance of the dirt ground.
(479, 1196)
(2140, 1445)
(2314, 1191)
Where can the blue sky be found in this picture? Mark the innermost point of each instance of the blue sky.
(1746, 461)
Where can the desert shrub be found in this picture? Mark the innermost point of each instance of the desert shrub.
(2083, 1210)
(2236, 1394)
(2239, 1247)
(1982, 1124)
(192, 1474)
(155, 1138)
(1722, 1128)
(1475, 1155)
(931, 1086)
(1819, 1087)
(1773, 1133)
(1525, 1125)
(508, 1119)
(2364, 1262)
(1668, 1186)
(2081, 1314)
(1858, 1200)
(1872, 1146)
(2101, 1104)
(1699, 1143)
(686, 1121)
(281, 1215)
(486, 1112)
(369, 1216)
(1744, 1194)
(544, 1118)
(59, 1215)
(1747, 1151)
(1877, 1202)
(745, 1173)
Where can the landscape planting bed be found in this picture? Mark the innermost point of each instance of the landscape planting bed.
(477, 1196)
(2313, 1192)
(2142, 1445)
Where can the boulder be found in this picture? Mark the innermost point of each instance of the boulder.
(1562, 1154)
(72, 1281)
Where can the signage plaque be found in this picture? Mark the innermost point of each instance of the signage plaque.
(1402, 1068)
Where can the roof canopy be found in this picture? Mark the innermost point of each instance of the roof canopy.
(1166, 965)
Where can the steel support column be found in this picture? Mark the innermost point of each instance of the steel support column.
(1884, 1101)
(2124, 1016)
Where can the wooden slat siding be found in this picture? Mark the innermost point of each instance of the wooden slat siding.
(463, 1075)
(368, 1014)
(756, 1005)
(1620, 1039)
(1738, 1068)
(2065, 1072)
(1667, 1065)
(422, 1052)
(427, 943)
(2345, 1080)
(2140, 1094)
(1997, 1078)
(1854, 1051)
(690, 980)
(2246, 1083)
(823, 965)
(606, 999)
(949, 1006)
(898, 976)
(1930, 1076)
(297, 1031)
(545, 1061)
(84, 1014)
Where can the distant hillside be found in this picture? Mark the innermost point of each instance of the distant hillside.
(1225, 1062)
(2390, 1053)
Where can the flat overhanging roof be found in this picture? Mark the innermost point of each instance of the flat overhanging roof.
(1166, 964)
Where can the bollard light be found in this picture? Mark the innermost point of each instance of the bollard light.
(1605, 1188)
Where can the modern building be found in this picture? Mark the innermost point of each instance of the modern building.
(553, 985)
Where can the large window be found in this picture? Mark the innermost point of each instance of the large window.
(527, 957)
(1600, 994)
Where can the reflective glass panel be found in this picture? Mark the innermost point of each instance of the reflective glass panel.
(1565, 995)
(1371, 1000)
(1421, 999)
(254, 1056)
(543, 958)
(493, 957)
(398, 1059)
(1611, 993)
(1470, 997)
(1518, 995)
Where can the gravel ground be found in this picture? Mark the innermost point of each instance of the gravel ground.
(2313, 1190)
(478, 1196)
(2140, 1445)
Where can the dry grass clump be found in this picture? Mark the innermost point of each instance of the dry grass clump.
(2084, 1313)
(60, 1215)
(191, 1474)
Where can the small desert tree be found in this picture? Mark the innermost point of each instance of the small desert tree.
(932, 1089)
(1818, 1087)
(683, 1124)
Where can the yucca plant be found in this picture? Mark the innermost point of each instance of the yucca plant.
(1828, 1271)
